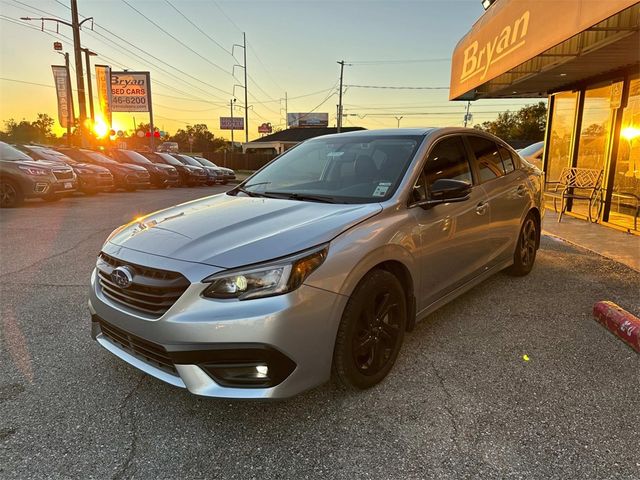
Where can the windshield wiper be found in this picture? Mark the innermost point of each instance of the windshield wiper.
(303, 196)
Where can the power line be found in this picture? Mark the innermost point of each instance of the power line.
(164, 30)
(397, 88)
(25, 82)
(198, 28)
(398, 62)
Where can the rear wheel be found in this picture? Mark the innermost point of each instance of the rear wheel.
(525, 254)
(10, 194)
(371, 331)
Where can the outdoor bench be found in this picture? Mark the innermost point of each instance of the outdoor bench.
(577, 184)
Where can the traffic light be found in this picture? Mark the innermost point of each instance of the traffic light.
(156, 134)
(147, 134)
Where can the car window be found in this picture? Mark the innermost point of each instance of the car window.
(187, 160)
(7, 152)
(340, 169)
(508, 161)
(99, 158)
(134, 157)
(447, 160)
(488, 158)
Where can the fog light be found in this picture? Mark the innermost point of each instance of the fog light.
(240, 374)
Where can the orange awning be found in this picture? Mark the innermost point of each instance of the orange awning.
(512, 32)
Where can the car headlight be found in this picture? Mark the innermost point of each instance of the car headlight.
(265, 281)
(34, 170)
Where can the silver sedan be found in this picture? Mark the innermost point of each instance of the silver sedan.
(318, 264)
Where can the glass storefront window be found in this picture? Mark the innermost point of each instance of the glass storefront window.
(625, 199)
(559, 150)
(595, 128)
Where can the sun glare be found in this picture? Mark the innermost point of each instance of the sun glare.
(100, 128)
(630, 133)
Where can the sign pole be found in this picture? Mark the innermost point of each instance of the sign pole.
(151, 138)
(69, 104)
(231, 104)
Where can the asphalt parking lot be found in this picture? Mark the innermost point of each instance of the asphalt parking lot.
(461, 402)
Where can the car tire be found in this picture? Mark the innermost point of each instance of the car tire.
(10, 194)
(526, 247)
(371, 331)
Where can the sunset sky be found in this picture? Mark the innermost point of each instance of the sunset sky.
(293, 48)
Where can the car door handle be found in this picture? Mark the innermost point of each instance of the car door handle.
(522, 190)
(481, 208)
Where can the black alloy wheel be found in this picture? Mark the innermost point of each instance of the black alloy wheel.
(10, 194)
(526, 248)
(371, 331)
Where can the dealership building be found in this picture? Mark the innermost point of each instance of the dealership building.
(584, 55)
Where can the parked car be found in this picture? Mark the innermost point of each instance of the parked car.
(225, 174)
(160, 175)
(91, 178)
(317, 264)
(214, 175)
(190, 176)
(210, 175)
(23, 177)
(221, 175)
(168, 147)
(126, 176)
(533, 153)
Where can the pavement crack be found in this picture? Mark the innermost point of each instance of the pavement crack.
(122, 471)
(447, 407)
(66, 250)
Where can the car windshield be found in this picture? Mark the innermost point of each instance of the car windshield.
(204, 161)
(7, 152)
(98, 157)
(134, 157)
(166, 158)
(52, 155)
(351, 169)
(188, 160)
(531, 149)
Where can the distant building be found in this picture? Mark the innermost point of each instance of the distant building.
(278, 142)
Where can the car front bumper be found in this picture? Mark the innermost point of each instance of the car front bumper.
(292, 334)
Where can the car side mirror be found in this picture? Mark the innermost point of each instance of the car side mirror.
(446, 190)
(449, 190)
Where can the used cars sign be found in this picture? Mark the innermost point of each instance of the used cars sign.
(130, 91)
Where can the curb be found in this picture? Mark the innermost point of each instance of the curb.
(618, 321)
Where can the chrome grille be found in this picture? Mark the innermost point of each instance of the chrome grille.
(153, 291)
(143, 349)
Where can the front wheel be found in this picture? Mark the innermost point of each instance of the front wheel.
(526, 248)
(10, 194)
(371, 331)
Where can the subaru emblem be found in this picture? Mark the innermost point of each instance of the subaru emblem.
(122, 276)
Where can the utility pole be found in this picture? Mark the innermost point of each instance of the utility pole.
(231, 102)
(246, 92)
(87, 54)
(245, 86)
(75, 25)
(286, 110)
(398, 119)
(466, 115)
(339, 122)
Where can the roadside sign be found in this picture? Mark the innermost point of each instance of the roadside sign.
(65, 98)
(231, 123)
(130, 91)
(103, 82)
(265, 128)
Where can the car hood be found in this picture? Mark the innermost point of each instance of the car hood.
(131, 167)
(228, 231)
(46, 164)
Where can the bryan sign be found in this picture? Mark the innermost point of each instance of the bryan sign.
(479, 58)
(130, 92)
